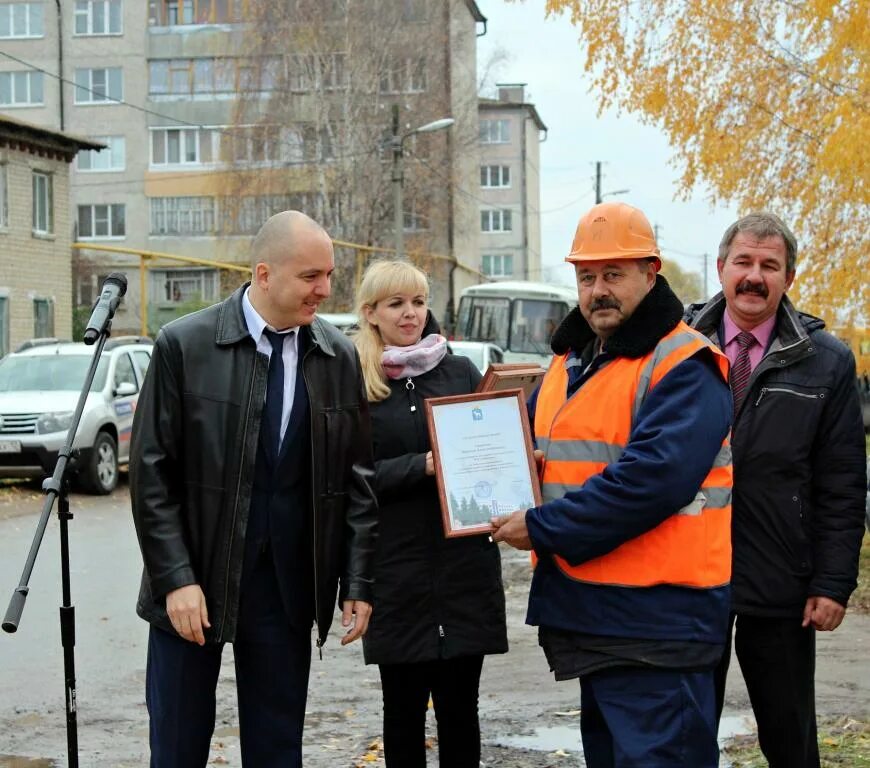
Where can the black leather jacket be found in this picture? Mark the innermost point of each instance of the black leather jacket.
(192, 459)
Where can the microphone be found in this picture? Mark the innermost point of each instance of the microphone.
(114, 287)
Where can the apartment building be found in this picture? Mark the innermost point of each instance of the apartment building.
(218, 113)
(511, 131)
(35, 269)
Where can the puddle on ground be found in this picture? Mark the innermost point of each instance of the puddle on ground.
(10, 761)
(735, 725)
(566, 738)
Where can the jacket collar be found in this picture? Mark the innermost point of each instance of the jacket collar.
(792, 326)
(232, 328)
(656, 316)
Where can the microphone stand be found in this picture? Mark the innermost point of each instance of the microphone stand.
(57, 487)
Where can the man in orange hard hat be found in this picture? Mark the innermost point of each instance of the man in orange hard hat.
(630, 590)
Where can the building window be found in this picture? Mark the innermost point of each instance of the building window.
(4, 325)
(314, 72)
(495, 220)
(495, 131)
(498, 264)
(102, 222)
(98, 86)
(192, 77)
(21, 20)
(175, 286)
(495, 176)
(43, 318)
(173, 13)
(406, 75)
(181, 146)
(182, 215)
(4, 198)
(43, 203)
(98, 17)
(109, 159)
(245, 215)
(20, 89)
(414, 217)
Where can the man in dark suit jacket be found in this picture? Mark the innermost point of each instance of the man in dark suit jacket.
(250, 470)
(799, 479)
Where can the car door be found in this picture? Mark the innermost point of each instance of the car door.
(125, 393)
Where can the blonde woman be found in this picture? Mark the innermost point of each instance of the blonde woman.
(438, 603)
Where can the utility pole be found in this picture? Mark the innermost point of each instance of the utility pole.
(597, 182)
(397, 181)
(656, 229)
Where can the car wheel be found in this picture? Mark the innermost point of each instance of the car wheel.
(100, 475)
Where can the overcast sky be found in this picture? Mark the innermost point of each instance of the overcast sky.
(546, 55)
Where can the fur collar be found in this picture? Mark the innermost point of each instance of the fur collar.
(656, 316)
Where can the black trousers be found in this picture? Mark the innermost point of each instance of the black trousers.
(272, 658)
(778, 661)
(453, 685)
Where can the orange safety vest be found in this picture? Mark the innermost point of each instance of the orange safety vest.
(582, 434)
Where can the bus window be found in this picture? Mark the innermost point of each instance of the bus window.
(534, 322)
(483, 319)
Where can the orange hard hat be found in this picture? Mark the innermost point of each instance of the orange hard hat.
(614, 231)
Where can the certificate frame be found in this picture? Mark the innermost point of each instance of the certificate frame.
(503, 376)
(510, 409)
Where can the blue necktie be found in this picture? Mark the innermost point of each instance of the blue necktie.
(275, 388)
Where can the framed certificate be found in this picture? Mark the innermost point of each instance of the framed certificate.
(502, 376)
(484, 465)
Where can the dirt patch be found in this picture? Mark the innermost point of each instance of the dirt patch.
(843, 743)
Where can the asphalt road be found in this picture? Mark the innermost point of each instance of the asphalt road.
(527, 720)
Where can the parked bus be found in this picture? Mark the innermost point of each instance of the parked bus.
(519, 317)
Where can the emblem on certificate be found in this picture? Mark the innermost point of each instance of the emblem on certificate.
(484, 465)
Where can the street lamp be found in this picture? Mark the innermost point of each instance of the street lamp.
(614, 192)
(397, 142)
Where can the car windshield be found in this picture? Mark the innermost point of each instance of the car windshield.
(533, 324)
(49, 373)
(483, 319)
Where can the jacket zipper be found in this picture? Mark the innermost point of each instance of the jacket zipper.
(765, 390)
(409, 386)
(238, 493)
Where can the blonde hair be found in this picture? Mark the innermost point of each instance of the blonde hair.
(381, 279)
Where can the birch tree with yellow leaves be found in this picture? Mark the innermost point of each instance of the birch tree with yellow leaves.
(765, 101)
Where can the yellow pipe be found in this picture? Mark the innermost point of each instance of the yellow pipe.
(158, 255)
(143, 299)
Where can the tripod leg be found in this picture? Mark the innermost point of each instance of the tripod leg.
(68, 634)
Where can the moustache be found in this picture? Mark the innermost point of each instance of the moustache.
(759, 289)
(604, 303)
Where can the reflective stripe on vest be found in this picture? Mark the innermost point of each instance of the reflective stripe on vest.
(581, 435)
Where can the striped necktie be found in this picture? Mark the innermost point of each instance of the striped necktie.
(742, 368)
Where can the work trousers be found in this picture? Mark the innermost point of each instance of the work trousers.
(648, 718)
(778, 660)
(272, 660)
(453, 685)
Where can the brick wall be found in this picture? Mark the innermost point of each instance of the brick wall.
(35, 266)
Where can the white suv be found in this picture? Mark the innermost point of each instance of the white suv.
(39, 388)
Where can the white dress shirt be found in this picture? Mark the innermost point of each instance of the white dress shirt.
(256, 326)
